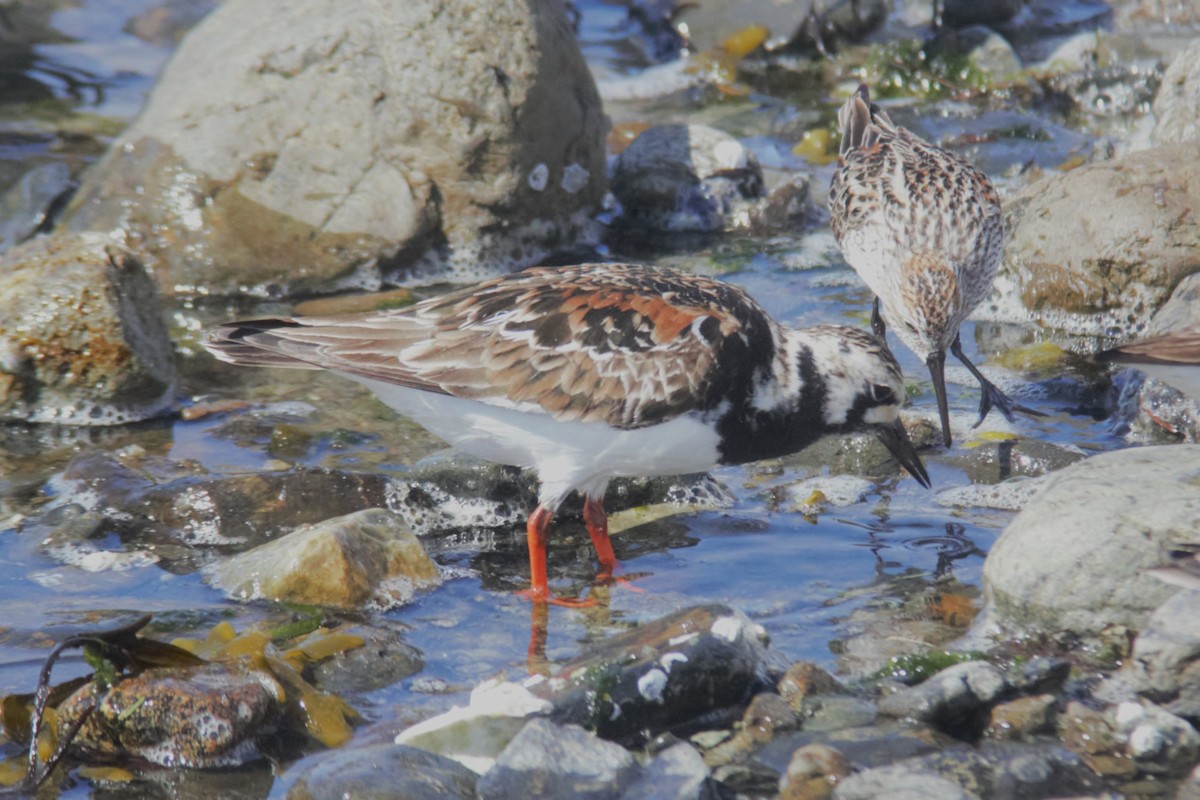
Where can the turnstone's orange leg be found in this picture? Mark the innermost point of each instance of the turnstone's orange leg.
(597, 527)
(539, 587)
(538, 633)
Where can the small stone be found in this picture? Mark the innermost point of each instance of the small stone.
(813, 772)
(368, 556)
(382, 770)
(676, 773)
(553, 761)
(766, 714)
(803, 679)
(1022, 717)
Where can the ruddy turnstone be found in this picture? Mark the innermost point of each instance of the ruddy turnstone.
(923, 229)
(591, 372)
(1172, 357)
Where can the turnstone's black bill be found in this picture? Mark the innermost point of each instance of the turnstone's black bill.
(591, 372)
(1172, 358)
(923, 229)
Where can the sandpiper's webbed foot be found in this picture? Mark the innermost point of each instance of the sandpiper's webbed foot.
(991, 396)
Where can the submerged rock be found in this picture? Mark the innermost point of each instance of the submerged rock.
(1099, 248)
(297, 147)
(82, 338)
(1074, 560)
(687, 178)
(366, 557)
(382, 770)
(202, 716)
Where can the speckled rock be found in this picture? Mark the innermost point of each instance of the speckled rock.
(381, 771)
(1177, 106)
(1075, 559)
(316, 145)
(82, 338)
(546, 760)
(179, 717)
(687, 178)
(1098, 249)
(698, 663)
(368, 557)
(1130, 738)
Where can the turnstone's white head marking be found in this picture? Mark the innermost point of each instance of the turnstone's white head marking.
(595, 371)
(924, 230)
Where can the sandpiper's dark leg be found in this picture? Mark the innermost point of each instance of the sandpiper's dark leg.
(991, 396)
(937, 371)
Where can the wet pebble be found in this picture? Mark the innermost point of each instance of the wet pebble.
(368, 557)
(379, 771)
(201, 716)
(551, 761)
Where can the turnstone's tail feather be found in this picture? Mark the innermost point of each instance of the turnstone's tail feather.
(595, 371)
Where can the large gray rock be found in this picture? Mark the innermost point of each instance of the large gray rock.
(1177, 105)
(82, 338)
(1100, 248)
(304, 145)
(551, 761)
(1075, 559)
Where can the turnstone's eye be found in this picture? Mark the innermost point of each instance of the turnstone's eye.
(882, 394)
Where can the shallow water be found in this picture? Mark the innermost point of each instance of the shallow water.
(811, 581)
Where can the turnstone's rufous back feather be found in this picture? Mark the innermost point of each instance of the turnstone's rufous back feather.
(924, 230)
(591, 372)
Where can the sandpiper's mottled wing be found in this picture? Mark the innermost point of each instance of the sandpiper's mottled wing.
(900, 207)
(605, 342)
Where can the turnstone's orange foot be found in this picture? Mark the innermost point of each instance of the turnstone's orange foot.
(595, 371)
(923, 228)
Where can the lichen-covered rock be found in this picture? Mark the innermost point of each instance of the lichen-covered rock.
(1177, 105)
(299, 146)
(1098, 249)
(82, 338)
(180, 716)
(366, 557)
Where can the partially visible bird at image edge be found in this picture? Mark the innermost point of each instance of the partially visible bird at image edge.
(923, 228)
(596, 371)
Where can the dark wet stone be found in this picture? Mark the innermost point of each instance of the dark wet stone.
(384, 659)
(551, 761)
(960, 13)
(381, 772)
(446, 493)
(233, 512)
(369, 556)
(835, 712)
(30, 204)
(746, 779)
(64, 526)
(989, 462)
(207, 715)
(1041, 675)
(861, 454)
(873, 746)
(696, 664)
(687, 178)
(954, 700)
(82, 331)
(766, 714)
(835, 24)
(813, 772)
(675, 773)
(251, 781)
(981, 47)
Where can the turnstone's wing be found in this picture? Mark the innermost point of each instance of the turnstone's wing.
(630, 346)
